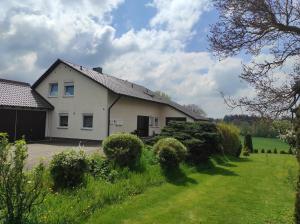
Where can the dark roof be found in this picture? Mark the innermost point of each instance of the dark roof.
(121, 87)
(14, 94)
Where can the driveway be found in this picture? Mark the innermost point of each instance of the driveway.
(45, 151)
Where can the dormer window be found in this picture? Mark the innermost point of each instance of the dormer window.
(69, 88)
(53, 89)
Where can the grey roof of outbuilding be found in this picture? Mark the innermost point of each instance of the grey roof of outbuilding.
(15, 94)
(121, 87)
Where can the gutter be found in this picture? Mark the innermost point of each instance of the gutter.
(108, 114)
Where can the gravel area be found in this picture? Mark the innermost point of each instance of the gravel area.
(45, 151)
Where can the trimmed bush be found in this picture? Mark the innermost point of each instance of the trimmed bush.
(248, 143)
(68, 169)
(262, 151)
(230, 139)
(282, 152)
(170, 152)
(198, 151)
(123, 149)
(269, 151)
(255, 151)
(275, 151)
(202, 139)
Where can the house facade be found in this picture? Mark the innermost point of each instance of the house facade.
(86, 104)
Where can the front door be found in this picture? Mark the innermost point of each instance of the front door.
(143, 126)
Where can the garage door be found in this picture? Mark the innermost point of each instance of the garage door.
(18, 123)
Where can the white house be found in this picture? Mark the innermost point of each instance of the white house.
(86, 104)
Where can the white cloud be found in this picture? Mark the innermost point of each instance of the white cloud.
(34, 33)
(178, 16)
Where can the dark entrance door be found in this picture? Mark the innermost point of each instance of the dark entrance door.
(143, 126)
(18, 123)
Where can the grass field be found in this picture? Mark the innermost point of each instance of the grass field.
(258, 189)
(268, 143)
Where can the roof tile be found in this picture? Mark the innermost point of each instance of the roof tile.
(20, 94)
(127, 88)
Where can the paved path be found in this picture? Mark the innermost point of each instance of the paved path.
(45, 151)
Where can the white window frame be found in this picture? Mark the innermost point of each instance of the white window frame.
(151, 121)
(69, 83)
(59, 116)
(82, 123)
(49, 92)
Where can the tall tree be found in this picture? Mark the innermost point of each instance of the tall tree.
(252, 27)
(272, 27)
(163, 94)
(196, 109)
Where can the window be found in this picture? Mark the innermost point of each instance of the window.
(151, 121)
(53, 89)
(69, 89)
(87, 121)
(63, 120)
(156, 121)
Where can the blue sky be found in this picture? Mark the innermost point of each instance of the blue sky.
(161, 44)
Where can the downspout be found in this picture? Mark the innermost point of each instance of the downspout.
(108, 114)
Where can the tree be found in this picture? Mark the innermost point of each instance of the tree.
(163, 94)
(255, 26)
(20, 191)
(248, 143)
(196, 109)
(290, 138)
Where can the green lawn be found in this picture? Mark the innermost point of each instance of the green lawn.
(258, 189)
(268, 143)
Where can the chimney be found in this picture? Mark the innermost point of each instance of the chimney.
(98, 69)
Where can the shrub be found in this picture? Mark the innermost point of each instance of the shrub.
(248, 142)
(282, 152)
(123, 149)
(269, 151)
(246, 152)
(230, 139)
(170, 152)
(68, 169)
(101, 168)
(20, 191)
(197, 150)
(262, 151)
(275, 151)
(201, 138)
(255, 151)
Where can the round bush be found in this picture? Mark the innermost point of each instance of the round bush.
(68, 169)
(170, 152)
(123, 149)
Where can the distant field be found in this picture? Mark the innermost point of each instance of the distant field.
(268, 143)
